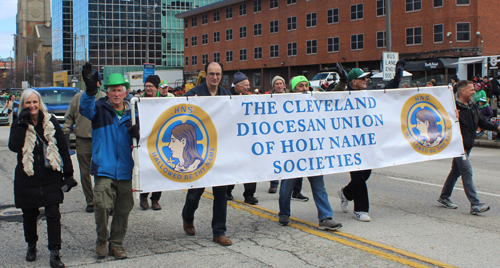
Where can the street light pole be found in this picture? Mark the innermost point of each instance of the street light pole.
(148, 12)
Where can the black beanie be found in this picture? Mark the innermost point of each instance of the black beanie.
(153, 79)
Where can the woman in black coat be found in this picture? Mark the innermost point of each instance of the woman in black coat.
(36, 185)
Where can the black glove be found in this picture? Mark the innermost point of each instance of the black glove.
(342, 73)
(400, 65)
(133, 131)
(24, 117)
(89, 77)
(68, 183)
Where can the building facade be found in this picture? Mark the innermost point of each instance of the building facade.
(62, 36)
(301, 37)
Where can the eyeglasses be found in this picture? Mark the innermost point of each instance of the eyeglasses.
(215, 74)
(362, 78)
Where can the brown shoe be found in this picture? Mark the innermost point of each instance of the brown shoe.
(101, 249)
(223, 240)
(118, 252)
(188, 228)
(155, 205)
(144, 203)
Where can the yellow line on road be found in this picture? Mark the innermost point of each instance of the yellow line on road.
(256, 210)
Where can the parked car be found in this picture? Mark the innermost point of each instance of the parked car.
(331, 77)
(4, 116)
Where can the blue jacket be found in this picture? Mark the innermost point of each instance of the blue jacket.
(111, 143)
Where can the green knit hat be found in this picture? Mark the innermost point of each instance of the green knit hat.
(117, 79)
(297, 79)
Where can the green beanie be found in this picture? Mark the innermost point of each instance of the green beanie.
(296, 80)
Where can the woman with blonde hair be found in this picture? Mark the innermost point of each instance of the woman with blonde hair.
(44, 171)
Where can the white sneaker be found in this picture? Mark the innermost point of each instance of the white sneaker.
(344, 203)
(362, 216)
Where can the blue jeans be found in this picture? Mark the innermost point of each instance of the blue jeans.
(319, 194)
(219, 210)
(462, 168)
(296, 188)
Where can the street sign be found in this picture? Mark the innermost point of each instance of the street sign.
(389, 60)
(149, 69)
(74, 79)
(493, 61)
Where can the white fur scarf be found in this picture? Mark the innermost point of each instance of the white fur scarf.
(52, 153)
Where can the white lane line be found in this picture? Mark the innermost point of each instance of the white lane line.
(440, 186)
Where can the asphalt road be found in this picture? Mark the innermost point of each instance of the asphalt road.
(408, 228)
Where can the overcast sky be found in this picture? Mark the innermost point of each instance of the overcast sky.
(8, 12)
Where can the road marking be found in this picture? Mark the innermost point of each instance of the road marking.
(438, 185)
(332, 235)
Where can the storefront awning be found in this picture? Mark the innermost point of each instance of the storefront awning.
(468, 61)
(440, 63)
(414, 66)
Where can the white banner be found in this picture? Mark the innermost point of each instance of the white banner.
(207, 141)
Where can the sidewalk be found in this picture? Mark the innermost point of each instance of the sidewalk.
(484, 142)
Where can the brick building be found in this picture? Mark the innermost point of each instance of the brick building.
(300, 37)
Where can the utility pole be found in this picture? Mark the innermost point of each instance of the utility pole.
(388, 36)
(148, 12)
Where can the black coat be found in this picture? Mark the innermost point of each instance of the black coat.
(470, 119)
(44, 187)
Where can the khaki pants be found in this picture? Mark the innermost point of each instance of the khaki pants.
(116, 194)
(84, 155)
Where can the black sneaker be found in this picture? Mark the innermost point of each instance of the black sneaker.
(283, 220)
(251, 200)
(300, 197)
(89, 209)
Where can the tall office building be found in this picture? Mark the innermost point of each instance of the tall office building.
(62, 36)
(173, 30)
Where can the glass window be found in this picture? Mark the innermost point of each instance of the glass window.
(311, 47)
(186, 44)
(257, 29)
(243, 32)
(194, 41)
(357, 12)
(357, 42)
(332, 16)
(463, 31)
(414, 36)
(291, 2)
(291, 23)
(257, 79)
(229, 56)
(381, 40)
(216, 37)
(311, 20)
(273, 4)
(463, 2)
(204, 59)
(229, 13)
(257, 6)
(204, 39)
(216, 16)
(273, 26)
(438, 33)
(204, 19)
(243, 9)
(333, 44)
(243, 54)
(217, 56)
(229, 34)
(413, 5)
(438, 3)
(380, 7)
(185, 23)
(193, 22)
(194, 60)
(274, 51)
(257, 53)
(292, 49)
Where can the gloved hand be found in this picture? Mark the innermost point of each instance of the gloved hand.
(342, 73)
(68, 183)
(400, 65)
(24, 117)
(133, 131)
(89, 77)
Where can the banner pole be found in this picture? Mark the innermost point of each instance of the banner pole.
(135, 154)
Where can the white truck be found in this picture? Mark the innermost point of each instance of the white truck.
(136, 78)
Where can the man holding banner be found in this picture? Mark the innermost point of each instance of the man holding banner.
(470, 119)
(357, 190)
(112, 161)
(209, 88)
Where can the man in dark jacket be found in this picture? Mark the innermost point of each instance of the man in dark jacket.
(470, 119)
(356, 190)
(209, 88)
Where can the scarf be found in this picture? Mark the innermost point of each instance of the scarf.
(52, 153)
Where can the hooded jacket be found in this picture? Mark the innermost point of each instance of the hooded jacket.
(470, 119)
(44, 187)
(111, 142)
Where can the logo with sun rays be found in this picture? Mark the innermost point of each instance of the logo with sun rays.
(425, 124)
(183, 143)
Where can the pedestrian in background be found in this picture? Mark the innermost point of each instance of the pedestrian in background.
(112, 162)
(44, 170)
(300, 84)
(470, 119)
(8, 106)
(83, 132)
(151, 90)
